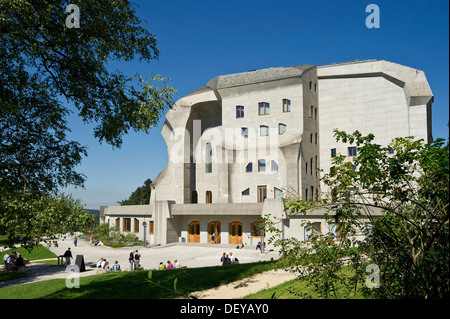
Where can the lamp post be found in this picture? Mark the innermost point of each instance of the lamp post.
(145, 234)
(261, 231)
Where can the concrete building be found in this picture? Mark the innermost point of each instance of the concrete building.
(241, 144)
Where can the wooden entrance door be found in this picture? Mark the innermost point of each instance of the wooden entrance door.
(214, 228)
(235, 232)
(194, 232)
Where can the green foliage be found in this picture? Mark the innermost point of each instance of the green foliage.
(111, 236)
(44, 64)
(141, 196)
(31, 218)
(405, 198)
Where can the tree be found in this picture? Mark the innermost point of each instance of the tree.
(48, 71)
(141, 196)
(408, 184)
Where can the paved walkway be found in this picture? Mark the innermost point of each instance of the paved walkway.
(188, 254)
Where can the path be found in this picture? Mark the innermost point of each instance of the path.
(189, 255)
(247, 286)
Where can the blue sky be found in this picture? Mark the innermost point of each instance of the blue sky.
(199, 40)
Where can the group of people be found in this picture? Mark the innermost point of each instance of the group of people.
(13, 261)
(169, 265)
(228, 259)
(104, 264)
(134, 258)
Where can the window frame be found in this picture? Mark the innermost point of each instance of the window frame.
(126, 223)
(239, 111)
(264, 189)
(352, 151)
(266, 108)
(261, 161)
(208, 197)
(286, 105)
(261, 127)
(333, 153)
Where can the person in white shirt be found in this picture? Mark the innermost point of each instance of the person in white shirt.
(99, 263)
(232, 258)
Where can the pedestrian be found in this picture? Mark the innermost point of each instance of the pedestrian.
(68, 255)
(213, 239)
(91, 240)
(231, 258)
(176, 264)
(75, 241)
(162, 266)
(169, 265)
(137, 258)
(131, 260)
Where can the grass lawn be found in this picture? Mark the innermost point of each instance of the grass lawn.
(294, 289)
(38, 252)
(134, 285)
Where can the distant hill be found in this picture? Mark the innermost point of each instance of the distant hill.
(95, 212)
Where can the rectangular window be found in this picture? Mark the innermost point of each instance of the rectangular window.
(151, 227)
(286, 105)
(333, 152)
(136, 225)
(262, 193)
(261, 165)
(352, 151)
(263, 108)
(208, 197)
(315, 138)
(239, 111)
(208, 158)
(311, 111)
(127, 224)
(244, 131)
(281, 128)
(249, 167)
(310, 230)
(118, 223)
(264, 130)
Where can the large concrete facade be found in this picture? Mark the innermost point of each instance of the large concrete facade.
(241, 144)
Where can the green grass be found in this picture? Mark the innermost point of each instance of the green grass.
(134, 285)
(38, 252)
(294, 289)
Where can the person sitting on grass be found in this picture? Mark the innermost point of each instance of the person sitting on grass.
(162, 266)
(116, 266)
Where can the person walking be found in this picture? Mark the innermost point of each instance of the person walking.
(131, 260)
(75, 241)
(67, 255)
